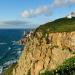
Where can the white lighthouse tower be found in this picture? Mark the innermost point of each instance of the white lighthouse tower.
(71, 15)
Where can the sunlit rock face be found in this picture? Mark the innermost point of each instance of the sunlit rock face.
(46, 52)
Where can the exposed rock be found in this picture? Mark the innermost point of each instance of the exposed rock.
(45, 53)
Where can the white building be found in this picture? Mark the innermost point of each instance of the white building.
(71, 15)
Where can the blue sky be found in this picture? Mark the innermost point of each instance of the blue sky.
(34, 12)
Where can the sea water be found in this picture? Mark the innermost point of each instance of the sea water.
(9, 50)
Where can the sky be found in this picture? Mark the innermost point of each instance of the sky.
(32, 13)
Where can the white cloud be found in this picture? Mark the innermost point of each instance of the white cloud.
(72, 1)
(46, 9)
(58, 3)
(35, 12)
(17, 23)
(41, 10)
(27, 13)
(61, 3)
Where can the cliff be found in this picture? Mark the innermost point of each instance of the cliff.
(50, 47)
(45, 53)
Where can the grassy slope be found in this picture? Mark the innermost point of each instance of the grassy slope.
(59, 25)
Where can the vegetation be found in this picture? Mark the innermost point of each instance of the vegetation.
(67, 68)
(9, 71)
(59, 25)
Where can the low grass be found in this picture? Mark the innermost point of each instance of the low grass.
(59, 25)
(67, 68)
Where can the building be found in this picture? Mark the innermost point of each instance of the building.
(71, 15)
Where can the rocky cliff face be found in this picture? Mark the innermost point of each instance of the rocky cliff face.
(45, 52)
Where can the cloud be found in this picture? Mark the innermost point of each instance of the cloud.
(58, 3)
(17, 23)
(35, 12)
(72, 1)
(64, 3)
(47, 9)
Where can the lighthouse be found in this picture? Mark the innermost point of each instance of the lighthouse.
(71, 15)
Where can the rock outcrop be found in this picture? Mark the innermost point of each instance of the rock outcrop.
(45, 52)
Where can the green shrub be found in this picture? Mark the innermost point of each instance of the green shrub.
(67, 68)
(9, 71)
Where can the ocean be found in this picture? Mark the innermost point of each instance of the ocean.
(9, 49)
